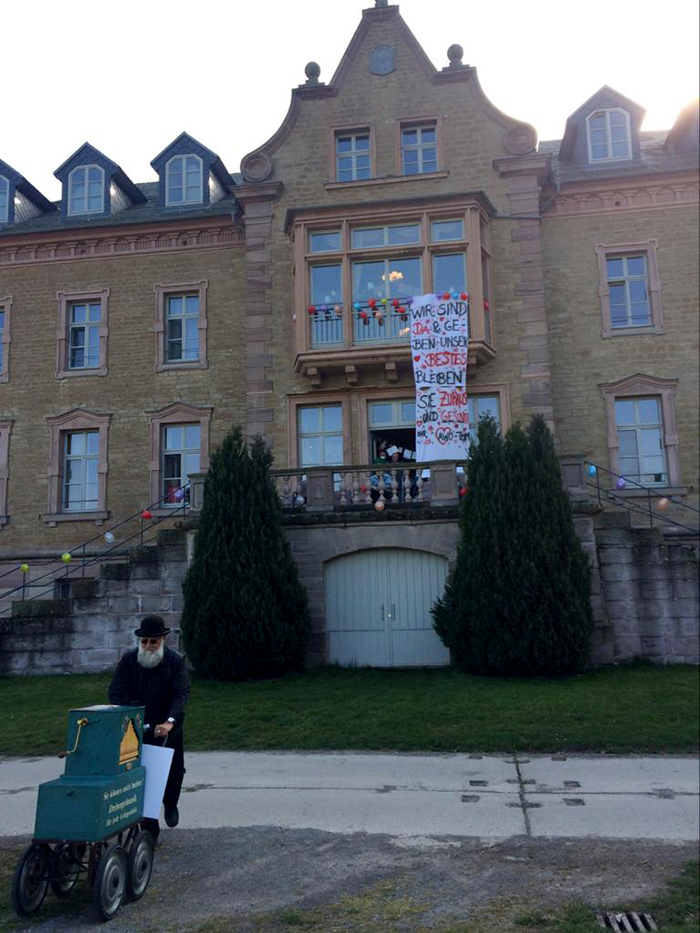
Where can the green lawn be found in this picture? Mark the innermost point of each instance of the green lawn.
(638, 708)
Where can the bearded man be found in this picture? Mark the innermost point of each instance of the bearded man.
(155, 676)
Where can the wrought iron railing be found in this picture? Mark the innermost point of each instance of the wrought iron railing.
(77, 560)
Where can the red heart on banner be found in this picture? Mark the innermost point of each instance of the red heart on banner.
(417, 358)
(420, 422)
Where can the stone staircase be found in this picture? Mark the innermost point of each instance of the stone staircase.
(90, 628)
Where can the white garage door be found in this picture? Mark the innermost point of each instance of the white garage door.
(378, 608)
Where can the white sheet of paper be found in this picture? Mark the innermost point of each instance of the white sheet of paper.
(156, 759)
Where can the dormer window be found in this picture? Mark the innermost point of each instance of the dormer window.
(184, 180)
(86, 190)
(4, 199)
(609, 135)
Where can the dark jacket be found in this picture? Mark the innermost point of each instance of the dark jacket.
(163, 690)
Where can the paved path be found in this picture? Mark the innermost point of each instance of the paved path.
(414, 797)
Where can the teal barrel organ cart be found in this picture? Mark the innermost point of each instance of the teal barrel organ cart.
(89, 820)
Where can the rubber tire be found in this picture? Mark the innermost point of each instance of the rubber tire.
(109, 890)
(34, 859)
(140, 865)
(71, 870)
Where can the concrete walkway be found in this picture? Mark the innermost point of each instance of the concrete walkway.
(414, 797)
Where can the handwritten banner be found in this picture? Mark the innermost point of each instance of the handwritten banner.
(439, 344)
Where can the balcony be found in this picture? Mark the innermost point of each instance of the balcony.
(376, 334)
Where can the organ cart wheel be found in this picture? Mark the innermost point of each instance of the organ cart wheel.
(65, 867)
(140, 865)
(110, 882)
(31, 879)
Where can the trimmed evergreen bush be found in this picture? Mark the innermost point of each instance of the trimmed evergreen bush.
(245, 612)
(518, 600)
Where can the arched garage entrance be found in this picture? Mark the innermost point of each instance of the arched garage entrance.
(378, 608)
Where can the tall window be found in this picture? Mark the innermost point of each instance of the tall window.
(629, 292)
(352, 156)
(80, 462)
(84, 336)
(419, 150)
(182, 328)
(609, 135)
(320, 435)
(86, 190)
(181, 449)
(183, 180)
(640, 432)
(2, 341)
(4, 199)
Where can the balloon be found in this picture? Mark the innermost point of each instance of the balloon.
(379, 505)
(299, 500)
(663, 503)
(592, 470)
(24, 568)
(446, 295)
(463, 491)
(357, 306)
(109, 537)
(372, 302)
(179, 495)
(486, 305)
(384, 301)
(312, 309)
(621, 483)
(363, 489)
(294, 317)
(464, 296)
(66, 558)
(146, 514)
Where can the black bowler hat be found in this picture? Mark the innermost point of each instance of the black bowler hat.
(151, 627)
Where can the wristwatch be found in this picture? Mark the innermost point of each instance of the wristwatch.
(170, 719)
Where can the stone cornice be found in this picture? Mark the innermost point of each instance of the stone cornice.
(630, 195)
(108, 243)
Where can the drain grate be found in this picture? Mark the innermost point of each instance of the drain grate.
(629, 922)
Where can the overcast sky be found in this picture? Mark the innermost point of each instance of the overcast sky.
(129, 77)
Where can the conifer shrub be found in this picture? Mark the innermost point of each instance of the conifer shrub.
(245, 612)
(518, 600)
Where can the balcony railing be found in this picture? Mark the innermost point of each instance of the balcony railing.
(372, 322)
(379, 486)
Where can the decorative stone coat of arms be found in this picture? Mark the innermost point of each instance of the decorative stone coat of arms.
(381, 60)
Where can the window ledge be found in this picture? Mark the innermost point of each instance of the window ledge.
(172, 367)
(386, 180)
(53, 518)
(667, 491)
(93, 371)
(175, 510)
(632, 331)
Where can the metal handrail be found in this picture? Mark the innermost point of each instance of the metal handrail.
(593, 470)
(115, 551)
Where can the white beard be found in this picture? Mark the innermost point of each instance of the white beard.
(150, 658)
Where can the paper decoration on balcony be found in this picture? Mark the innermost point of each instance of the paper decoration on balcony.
(439, 344)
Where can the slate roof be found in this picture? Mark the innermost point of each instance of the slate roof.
(654, 158)
(149, 212)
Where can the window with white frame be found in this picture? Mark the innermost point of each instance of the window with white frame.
(183, 180)
(482, 406)
(182, 328)
(2, 339)
(86, 190)
(628, 284)
(320, 435)
(80, 491)
(84, 335)
(640, 433)
(181, 456)
(352, 156)
(609, 135)
(4, 199)
(419, 153)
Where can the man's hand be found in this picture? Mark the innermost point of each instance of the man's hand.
(162, 729)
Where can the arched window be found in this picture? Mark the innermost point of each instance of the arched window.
(609, 135)
(4, 199)
(183, 180)
(86, 190)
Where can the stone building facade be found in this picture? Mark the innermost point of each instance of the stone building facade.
(221, 299)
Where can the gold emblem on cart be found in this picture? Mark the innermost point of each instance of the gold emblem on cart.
(129, 746)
